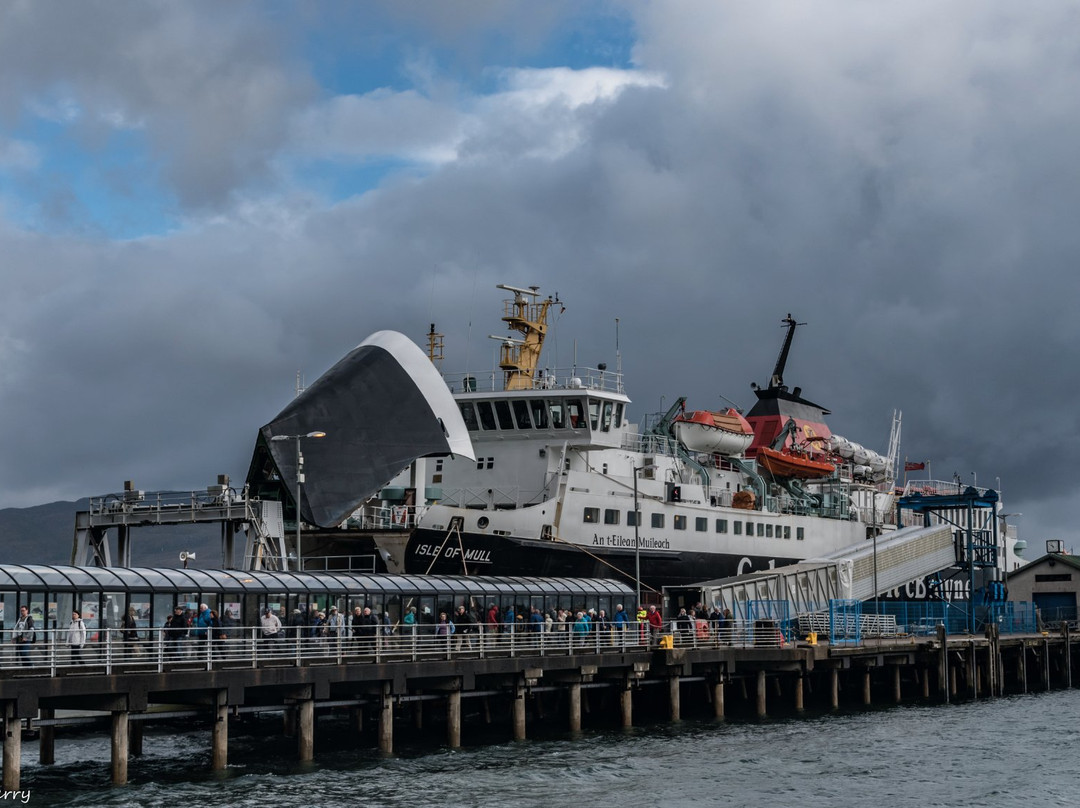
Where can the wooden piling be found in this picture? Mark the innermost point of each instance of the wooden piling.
(47, 738)
(135, 738)
(761, 701)
(673, 690)
(12, 747)
(1068, 655)
(626, 705)
(119, 747)
(386, 721)
(453, 719)
(219, 735)
(575, 706)
(1023, 668)
(305, 735)
(943, 662)
(519, 711)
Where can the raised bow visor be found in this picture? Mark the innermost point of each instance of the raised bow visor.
(382, 406)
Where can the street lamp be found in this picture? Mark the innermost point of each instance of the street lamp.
(299, 482)
(1005, 546)
(637, 545)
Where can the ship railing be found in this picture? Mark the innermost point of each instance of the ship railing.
(567, 378)
(650, 445)
(385, 517)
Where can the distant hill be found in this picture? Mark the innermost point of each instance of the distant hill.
(45, 534)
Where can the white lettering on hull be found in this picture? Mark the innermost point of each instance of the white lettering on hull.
(451, 553)
(617, 540)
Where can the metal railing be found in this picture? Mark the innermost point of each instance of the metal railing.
(160, 650)
(572, 378)
(855, 621)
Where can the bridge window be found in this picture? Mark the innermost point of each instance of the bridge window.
(487, 417)
(721, 525)
(605, 425)
(521, 414)
(594, 414)
(558, 421)
(618, 415)
(658, 520)
(468, 415)
(539, 413)
(502, 410)
(680, 522)
(576, 412)
(611, 516)
(592, 515)
(701, 524)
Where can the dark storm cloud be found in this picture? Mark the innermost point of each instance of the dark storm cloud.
(901, 179)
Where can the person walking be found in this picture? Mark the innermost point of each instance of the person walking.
(656, 623)
(24, 635)
(271, 628)
(76, 637)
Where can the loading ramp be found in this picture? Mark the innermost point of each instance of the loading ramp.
(860, 572)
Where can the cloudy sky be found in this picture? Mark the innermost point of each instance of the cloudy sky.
(200, 200)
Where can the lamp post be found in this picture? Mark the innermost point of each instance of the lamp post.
(299, 482)
(1005, 546)
(637, 545)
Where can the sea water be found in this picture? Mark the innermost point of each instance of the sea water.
(1014, 751)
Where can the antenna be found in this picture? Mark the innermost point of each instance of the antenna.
(618, 357)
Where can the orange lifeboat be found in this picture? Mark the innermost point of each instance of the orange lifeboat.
(791, 464)
(723, 433)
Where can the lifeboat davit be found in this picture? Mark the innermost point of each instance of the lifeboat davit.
(787, 464)
(724, 433)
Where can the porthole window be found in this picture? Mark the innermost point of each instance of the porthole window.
(482, 522)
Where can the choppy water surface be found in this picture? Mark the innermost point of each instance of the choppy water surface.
(1018, 751)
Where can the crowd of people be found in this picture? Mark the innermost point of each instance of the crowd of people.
(187, 628)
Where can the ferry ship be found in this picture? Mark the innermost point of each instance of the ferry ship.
(564, 483)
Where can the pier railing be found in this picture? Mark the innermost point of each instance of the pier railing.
(158, 650)
(52, 651)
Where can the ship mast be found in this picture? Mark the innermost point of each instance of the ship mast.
(777, 379)
(434, 345)
(519, 358)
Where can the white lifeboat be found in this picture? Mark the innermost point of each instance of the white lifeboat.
(723, 433)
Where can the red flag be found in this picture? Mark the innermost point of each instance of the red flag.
(914, 466)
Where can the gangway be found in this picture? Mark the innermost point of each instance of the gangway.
(235, 511)
(848, 574)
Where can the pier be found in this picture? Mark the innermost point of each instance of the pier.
(510, 679)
